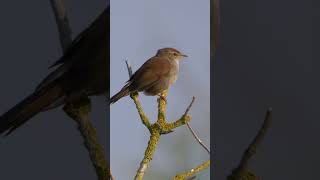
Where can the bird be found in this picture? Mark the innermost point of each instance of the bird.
(82, 71)
(154, 76)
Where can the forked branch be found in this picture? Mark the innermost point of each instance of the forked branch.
(161, 126)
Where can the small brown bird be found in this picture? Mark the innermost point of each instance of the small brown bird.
(154, 76)
(81, 72)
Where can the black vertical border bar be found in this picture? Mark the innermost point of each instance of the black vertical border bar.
(214, 53)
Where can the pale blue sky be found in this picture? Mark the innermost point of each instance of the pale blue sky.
(138, 29)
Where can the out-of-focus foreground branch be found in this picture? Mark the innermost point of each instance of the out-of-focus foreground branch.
(60, 14)
(79, 111)
(242, 172)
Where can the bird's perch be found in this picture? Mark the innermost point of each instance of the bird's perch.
(79, 111)
(161, 126)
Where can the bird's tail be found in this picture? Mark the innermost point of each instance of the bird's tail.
(29, 107)
(124, 92)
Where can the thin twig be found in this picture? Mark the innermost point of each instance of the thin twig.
(189, 107)
(129, 68)
(192, 172)
(192, 130)
(197, 138)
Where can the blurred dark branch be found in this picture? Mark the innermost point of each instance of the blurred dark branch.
(62, 21)
(242, 170)
(79, 111)
(257, 140)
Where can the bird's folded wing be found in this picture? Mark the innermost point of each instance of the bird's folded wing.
(149, 73)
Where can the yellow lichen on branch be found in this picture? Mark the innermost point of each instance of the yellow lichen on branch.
(161, 126)
(192, 172)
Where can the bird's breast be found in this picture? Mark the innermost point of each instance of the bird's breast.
(174, 71)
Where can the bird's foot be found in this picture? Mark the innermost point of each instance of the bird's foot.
(161, 96)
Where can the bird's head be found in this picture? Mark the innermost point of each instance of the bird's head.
(171, 53)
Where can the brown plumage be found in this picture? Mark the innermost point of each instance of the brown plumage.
(154, 76)
(83, 71)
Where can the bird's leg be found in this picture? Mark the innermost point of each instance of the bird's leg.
(161, 96)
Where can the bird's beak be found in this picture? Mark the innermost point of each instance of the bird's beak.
(183, 55)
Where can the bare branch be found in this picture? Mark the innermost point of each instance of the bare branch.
(197, 138)
(189, 107)
(129, 68)
(241, 170)
(191, 129)
(62, 23)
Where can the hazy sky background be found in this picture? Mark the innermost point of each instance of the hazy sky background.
(138, 29)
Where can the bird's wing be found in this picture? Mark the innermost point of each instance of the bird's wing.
(149, 73)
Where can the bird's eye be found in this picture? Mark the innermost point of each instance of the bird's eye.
(175, 54)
